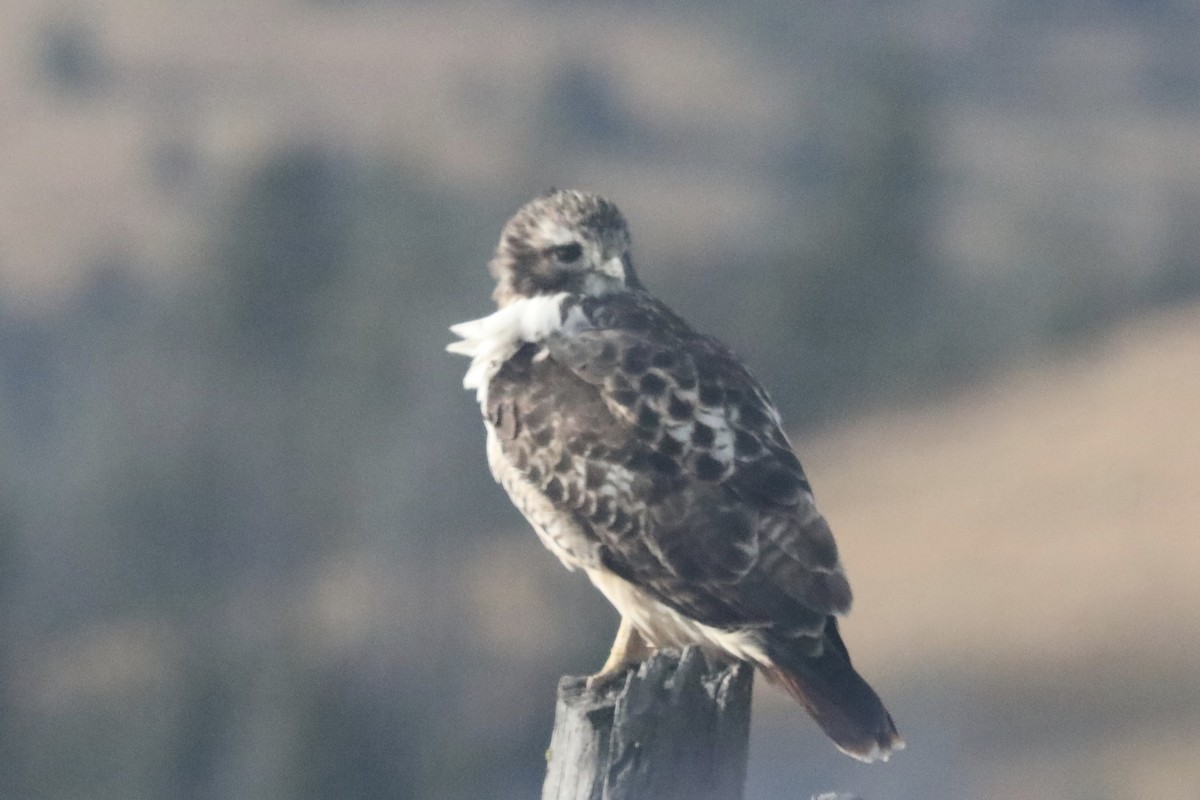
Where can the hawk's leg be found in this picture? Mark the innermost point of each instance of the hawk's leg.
(628, 648)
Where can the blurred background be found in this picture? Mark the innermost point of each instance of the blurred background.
(249, 547)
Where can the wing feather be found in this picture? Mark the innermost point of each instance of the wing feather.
(671, 455)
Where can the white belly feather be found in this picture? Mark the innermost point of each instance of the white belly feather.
(663, 626)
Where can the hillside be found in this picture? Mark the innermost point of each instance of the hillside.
(129, 120)
(1053, 493)
(1031, 545)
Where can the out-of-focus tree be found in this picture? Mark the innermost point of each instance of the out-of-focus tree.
(9, 777)
(866, 302)
(582, 111)
(854, 308)
(70, 58)
(285, 247)
(1180, 277)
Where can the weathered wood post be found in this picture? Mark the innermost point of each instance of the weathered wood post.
(677, 728)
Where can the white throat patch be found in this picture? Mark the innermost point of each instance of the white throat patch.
(492, 340)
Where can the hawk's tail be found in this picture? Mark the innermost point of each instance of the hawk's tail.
(836, 696)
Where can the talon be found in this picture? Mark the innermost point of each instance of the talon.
(602, 680)
(628, 649)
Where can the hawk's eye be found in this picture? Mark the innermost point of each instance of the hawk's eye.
(566, 253)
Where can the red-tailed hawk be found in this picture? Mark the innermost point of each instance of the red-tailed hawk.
(645, 454)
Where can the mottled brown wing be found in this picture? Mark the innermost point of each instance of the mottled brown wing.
(701, 415)
(612, 491)
(668, 450)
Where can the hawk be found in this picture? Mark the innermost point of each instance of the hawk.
(646, 455)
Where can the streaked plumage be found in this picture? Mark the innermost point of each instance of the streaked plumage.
(646, 455)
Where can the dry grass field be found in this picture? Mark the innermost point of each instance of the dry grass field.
(450, 89)
(1034, 542)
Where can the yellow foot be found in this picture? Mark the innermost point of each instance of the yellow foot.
(628, 648)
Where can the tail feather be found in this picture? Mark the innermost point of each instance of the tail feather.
(836, 696)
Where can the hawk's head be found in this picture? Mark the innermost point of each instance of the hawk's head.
(563, 241)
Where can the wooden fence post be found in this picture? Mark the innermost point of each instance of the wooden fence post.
(675, 728)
